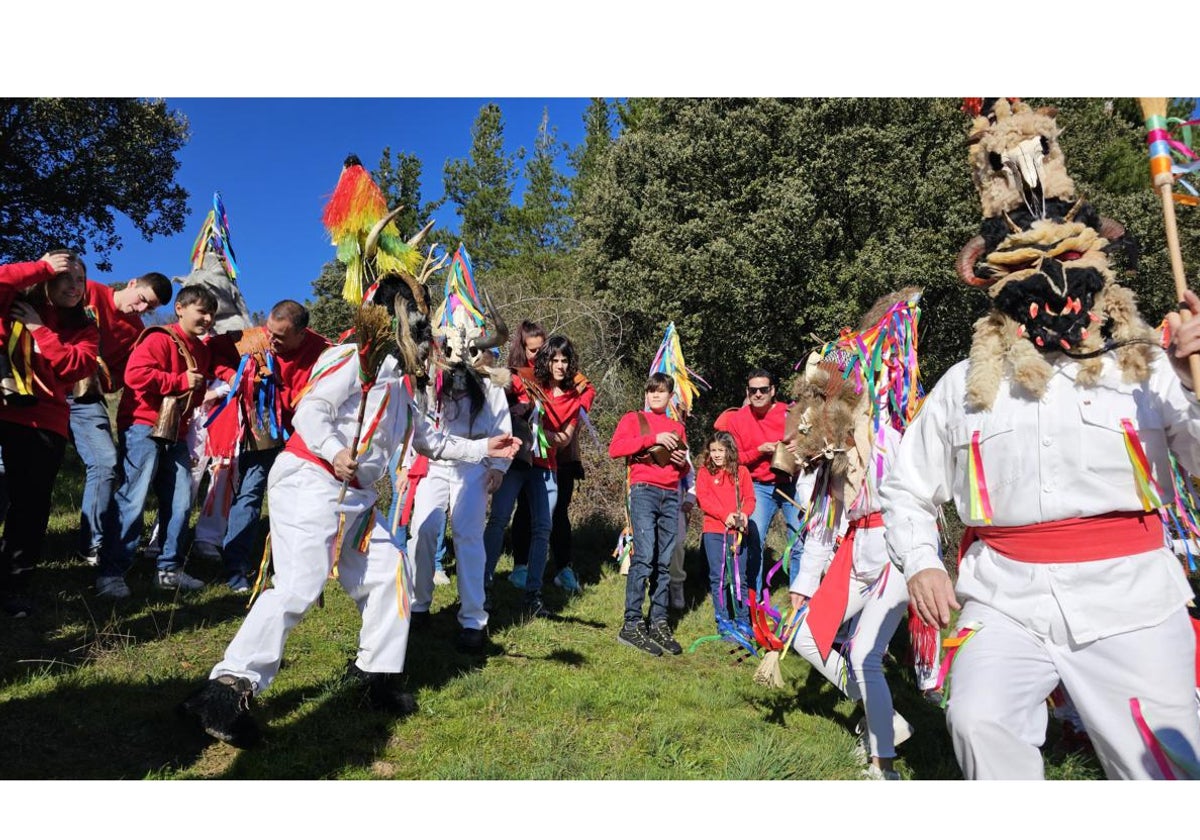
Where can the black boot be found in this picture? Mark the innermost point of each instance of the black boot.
(470, 640)
(222, 708)
(382, 691)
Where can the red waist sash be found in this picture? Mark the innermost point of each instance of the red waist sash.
(299, 448)
(1076, 540)
(828, 604)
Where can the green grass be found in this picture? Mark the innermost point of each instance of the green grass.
(88, 690)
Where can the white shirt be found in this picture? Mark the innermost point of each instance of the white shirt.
(1060, 457)
(454, 418)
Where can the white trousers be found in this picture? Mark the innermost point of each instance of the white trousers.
(303, 530)
(1000, 680)
(461, 489)
(879, 605)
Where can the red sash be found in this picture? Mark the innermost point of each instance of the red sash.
(297, 447)
(1077, 540)
(827, 607)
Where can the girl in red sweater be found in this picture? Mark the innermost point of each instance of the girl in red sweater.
(55, 345)
(725, 493)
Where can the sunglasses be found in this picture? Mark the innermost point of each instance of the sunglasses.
(757, 389)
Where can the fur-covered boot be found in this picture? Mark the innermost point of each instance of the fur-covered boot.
(382, 691)
(222, 708)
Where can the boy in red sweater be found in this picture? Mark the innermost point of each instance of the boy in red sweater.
(656, 448)
(165, 361)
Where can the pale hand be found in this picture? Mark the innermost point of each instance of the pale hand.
(493, 480)
(767, 446)
(58, 262)
(344, 465)
(679, 457)
(798, 600)
(503, 446)
(667, 439)
(195, 379)
(932, 596)
(1185, 339)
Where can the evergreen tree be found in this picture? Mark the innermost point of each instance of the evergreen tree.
(481, 187)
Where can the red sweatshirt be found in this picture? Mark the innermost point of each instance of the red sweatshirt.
(628, 440)
(293, 368)
(62, 354)
(119, 331)
(716, 497)
(750, 432)
(157, 368)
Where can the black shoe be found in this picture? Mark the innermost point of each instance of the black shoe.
(383, 691)
(634, 634)
(419, 621)
(470, 640)
(222, 708)
(534, 608)
(660, 633)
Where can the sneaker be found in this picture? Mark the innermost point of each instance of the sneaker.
(383, 691)
(566, 580)
(634, 634)
(440, 578)
(91, 557)
(660, 633)
(677, 600)
(517, 576)
(901, 731)
(239, 583)
(112, 587)
(470, 640)
(222, 709)
(206, 551)
(14, 606)
(876, 774)
(177, 579)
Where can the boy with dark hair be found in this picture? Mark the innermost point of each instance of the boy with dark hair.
(165, 376)
(656, 449)
(117, 314)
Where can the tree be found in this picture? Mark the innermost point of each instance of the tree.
(481, 187)
(66, 165)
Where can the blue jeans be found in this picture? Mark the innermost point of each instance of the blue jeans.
(542, 490)
(91, 432)
(145, 461)
(716, 549)
(654, 515)
(766, 504)
(246, 508)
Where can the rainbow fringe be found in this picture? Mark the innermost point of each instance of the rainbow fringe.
(1149, 492)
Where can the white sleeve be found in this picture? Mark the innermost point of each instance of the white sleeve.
(436, 444)
(316, 416)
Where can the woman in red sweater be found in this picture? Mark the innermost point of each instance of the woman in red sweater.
(725, 493)
(54, 345)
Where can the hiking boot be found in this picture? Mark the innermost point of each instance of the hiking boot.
(177, 579)
(660, 633)
(382, 691)
(440, 578)
(634, 634)
(676, 596)
(517, 576)
(566, 580)
(222, 708)
(470, 640)
(112, 587)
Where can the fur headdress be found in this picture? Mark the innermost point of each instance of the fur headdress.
(1042, 256)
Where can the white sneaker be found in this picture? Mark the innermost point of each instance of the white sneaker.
(874, 773)
(177, 579)
(901, 730)
(677, 601)
(440, 578)
(205, 551)
(112, 587)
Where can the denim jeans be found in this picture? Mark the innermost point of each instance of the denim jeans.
(766, 504)
(246, 508)
(654, 515)
(91, 431)
(736, 601)
(144, 461)
(542, 491)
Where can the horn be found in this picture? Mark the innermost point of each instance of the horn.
(501, 334)
(373, 236)
(1013, 227)
(419, 235)
(967, 257)
(1110, 229)
(1075, 208)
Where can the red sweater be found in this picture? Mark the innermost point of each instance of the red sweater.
(750, 432)
(293, 368)
(716, 497)
(62, 356)
(157, 368)
(119, 331)
(628, 440)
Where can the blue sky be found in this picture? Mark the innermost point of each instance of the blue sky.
(275, 162)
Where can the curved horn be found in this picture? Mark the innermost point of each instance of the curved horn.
(1013, 227)
(419, 235)
(1075, 208)
(967, 257)
(373, 236)
(1110, 229)
(501, 334)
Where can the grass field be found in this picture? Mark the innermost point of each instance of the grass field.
(88, 691)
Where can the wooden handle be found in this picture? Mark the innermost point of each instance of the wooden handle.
(1185, 314)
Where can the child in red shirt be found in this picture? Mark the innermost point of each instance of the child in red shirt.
(656, 448)
(725, 493)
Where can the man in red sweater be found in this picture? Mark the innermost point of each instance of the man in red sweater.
(656, 448)
(170, 361)
(756, 428)
(267, 390)
(117, 313)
